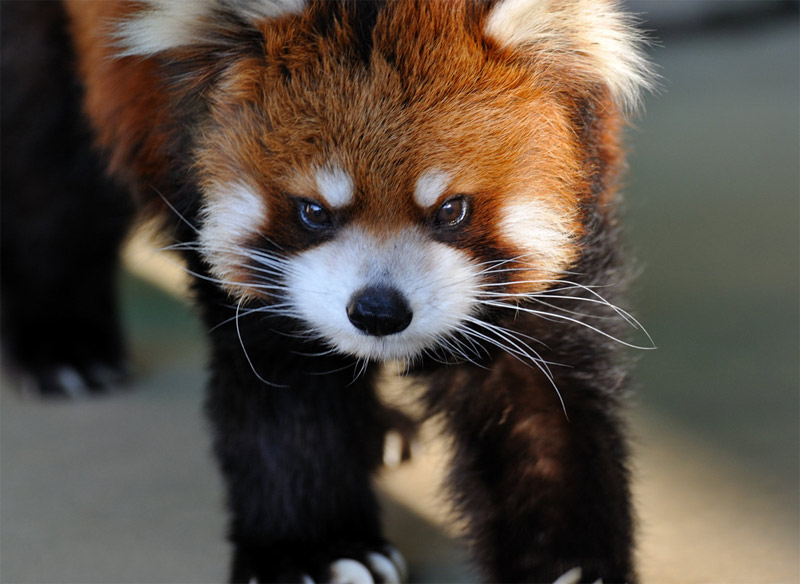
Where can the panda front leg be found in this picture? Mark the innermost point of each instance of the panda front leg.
(63, 220)
(543, 485)
(297, 439)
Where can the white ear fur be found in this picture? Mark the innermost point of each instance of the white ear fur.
(168, 24)
(591, 38)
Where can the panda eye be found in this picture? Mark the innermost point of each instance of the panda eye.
(452, 212)
(314, 216)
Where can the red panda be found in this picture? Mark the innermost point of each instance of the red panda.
(350, 183)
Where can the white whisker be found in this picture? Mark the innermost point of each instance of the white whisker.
(552, 315)
(246, 356)
(455, 347)
(522, 356)
(360, 370)
(324, 353)
(511, 336)
(331, 371)
(177, 213)
(279, 309)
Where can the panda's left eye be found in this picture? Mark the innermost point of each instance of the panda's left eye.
(314, 215)
(452, 212)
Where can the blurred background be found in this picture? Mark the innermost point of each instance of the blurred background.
(123, 488)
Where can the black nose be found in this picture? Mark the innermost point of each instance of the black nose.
(379, 311)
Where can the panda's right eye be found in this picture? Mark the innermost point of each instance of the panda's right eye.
(314, 216)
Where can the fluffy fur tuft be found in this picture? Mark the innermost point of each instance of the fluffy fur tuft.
(169, 24)
(591, 39)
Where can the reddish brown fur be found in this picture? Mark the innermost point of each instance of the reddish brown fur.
(125, 98)
(498, 123)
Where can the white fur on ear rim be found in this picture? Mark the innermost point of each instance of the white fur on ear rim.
(591, 37)
(168, 24)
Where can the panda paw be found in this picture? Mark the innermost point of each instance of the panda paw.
(71, 380)
(379, 565)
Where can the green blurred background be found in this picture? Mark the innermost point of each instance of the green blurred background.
(713, 216)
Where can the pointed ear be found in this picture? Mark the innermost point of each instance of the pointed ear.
(588, 41)
(162, 25)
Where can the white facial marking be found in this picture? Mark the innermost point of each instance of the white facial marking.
(431, 185)
(335, 186)
(439, 282)
(168, 24)
(543, 233)
(231, 213)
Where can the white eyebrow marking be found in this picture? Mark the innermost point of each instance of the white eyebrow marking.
(335, 186)
(430, 186)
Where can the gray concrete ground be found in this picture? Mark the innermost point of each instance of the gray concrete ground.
(123, 489)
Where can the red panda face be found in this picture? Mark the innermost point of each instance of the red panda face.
(384, 184)
(389, 204)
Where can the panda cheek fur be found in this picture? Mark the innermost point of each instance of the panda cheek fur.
(232, 214)
(544, 240)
